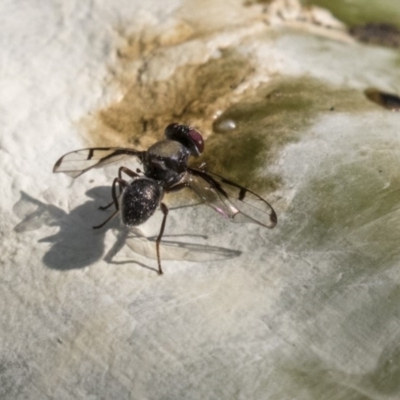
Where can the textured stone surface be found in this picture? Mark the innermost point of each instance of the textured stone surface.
(308, 310)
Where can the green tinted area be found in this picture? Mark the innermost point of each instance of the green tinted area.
(359, 12)
(346, 196)
(263, 120)
(268, 119)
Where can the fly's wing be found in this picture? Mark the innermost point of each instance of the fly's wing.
(77, 162)
(178, 250)
(231, 200)
(181, 251)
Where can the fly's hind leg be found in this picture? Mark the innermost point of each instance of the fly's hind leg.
(122, 184)
(164, 210)
(128, 172)
(107, 206)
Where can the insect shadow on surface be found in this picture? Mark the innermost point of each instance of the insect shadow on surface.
(166, 170)
(75, 245)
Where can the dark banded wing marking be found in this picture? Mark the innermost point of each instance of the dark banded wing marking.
(77, 162)
(231, 200)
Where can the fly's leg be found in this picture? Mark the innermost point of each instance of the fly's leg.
(122, 184)
(164, 210)
(107, 206)
(128, 172)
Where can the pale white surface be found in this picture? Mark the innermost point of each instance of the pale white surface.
(308, 311)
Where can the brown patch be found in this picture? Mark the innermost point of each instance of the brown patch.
(380, 34)
(253, 125)
(141, 44)
(191, 95)
(248, 3)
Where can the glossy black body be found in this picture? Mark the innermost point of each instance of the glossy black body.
(139, 201)
(165, 161)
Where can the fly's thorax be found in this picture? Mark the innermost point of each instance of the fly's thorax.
(165, 160)
(139, 201)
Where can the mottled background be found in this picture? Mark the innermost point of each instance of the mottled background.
(282, 92)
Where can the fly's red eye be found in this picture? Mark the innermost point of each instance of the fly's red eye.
(197, 139)
(186, 135)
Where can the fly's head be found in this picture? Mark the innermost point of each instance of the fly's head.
(187, 136)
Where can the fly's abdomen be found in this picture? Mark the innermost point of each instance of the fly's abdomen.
(139, 201)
